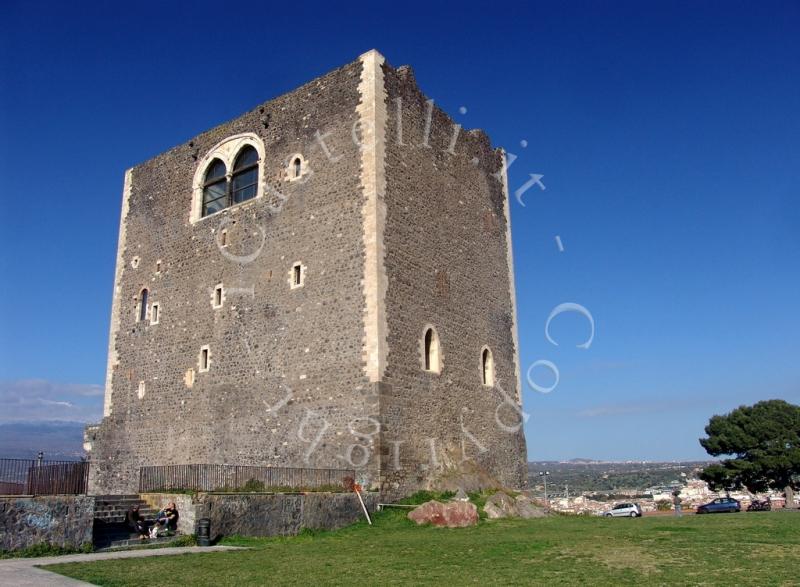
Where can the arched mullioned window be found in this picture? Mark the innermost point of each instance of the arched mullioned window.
(244, 181)
(432, 359)
(487, 367)
(215, 188)
(143, 305)
(221, 189)
(230, 173)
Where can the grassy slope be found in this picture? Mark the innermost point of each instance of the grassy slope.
(722, 549)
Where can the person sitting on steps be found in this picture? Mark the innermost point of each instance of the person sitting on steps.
(136, 522)
(172, 517)
(161, 519)
(167, 519)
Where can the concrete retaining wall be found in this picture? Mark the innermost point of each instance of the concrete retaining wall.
(62, 520)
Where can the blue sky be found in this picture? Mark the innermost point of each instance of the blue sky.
(667, 133)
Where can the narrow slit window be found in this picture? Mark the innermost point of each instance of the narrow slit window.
(223, 238)
(431, 351)
(204, 359)
(155, 313)
(298, 167)
(218, 297)
(428, 345)
(143, 305)
(487, 367)
(297, 275)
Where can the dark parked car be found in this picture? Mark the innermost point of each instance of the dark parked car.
(719, 505)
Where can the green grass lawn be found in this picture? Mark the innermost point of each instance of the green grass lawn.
(720, 549)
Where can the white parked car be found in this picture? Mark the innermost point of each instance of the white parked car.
(624, 510)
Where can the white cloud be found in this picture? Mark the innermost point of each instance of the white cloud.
(39, 399)
(49, 402)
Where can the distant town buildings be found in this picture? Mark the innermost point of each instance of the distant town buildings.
(693, 492)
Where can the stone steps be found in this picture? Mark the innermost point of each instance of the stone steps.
(110, 529)
(110, 507)
(118, 514)
(133, 540)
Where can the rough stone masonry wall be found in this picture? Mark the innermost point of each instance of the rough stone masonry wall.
(287, 371)
(446, 258)
(281, 515)
(64, 521)
(187, 508)
(395, 232)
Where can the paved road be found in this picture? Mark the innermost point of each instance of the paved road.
(22, 572)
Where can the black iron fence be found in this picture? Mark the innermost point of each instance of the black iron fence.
(39, 477)
(240, 478)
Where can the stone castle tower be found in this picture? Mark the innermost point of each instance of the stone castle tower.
(325, 281)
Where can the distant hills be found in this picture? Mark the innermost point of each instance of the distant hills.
(58, 440)
(607, 462)
(64, 440)
(586, 475)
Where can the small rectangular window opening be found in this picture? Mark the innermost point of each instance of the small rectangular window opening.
(154, 314)
(224, 238)
(204, 359)
(297, 274)
(142, 309)
(218, 296)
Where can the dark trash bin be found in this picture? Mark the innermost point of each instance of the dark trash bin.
(204, 532)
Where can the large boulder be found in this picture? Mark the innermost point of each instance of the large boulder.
(430, 512)
(527, 508)
(500, 505)
(454, 514)
(459, 514)
(457, 474)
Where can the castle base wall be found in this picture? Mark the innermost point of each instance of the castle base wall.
(58, 520)
(255, 514)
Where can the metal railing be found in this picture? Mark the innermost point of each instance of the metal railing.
(241, 478)
(38, 477)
